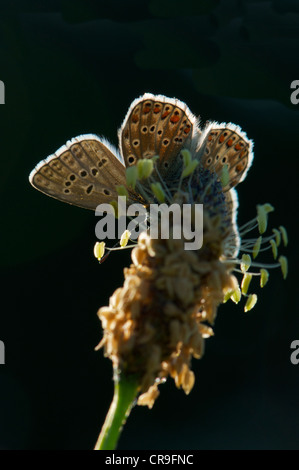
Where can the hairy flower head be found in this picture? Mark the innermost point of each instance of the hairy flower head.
(159, 319)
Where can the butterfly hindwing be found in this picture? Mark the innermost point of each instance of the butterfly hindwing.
(156, 125)
(84, 172)
(226, 144)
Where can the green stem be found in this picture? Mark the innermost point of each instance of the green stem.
(125, 392)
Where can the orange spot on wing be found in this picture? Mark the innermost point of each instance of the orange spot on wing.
(187, 130)
(242, 153)
(146, 109)
(174, 119)
(237, 147)
(229, 143)
(210, 138)
(221, 139)
(135, 118)
(165, 114)
(157, 109)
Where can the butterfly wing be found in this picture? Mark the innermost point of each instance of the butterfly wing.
(226, 144)
(84, 172)
(157, 125)
(226, 148)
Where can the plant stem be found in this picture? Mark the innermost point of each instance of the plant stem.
(125, 392)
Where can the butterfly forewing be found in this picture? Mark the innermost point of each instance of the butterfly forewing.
(84, 172)
(226, 144)
(156, 125)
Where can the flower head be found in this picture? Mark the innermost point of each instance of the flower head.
(159, 319)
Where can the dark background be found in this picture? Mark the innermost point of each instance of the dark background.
(73, 67)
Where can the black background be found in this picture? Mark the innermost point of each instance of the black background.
(73, 67)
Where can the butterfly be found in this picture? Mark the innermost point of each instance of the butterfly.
(87, 170)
